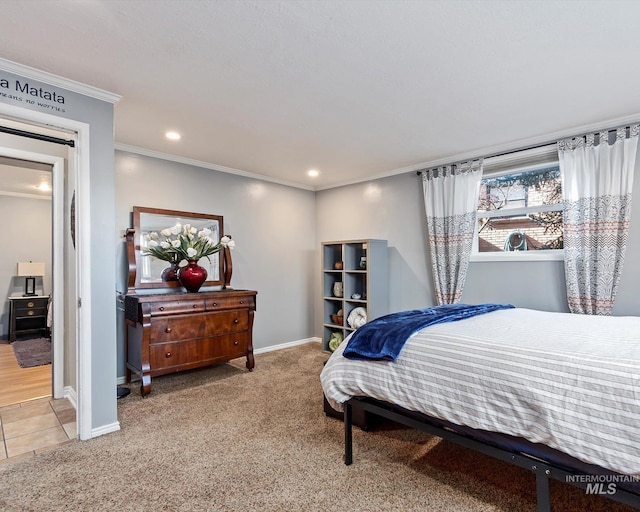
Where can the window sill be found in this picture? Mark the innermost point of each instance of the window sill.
(550, 255)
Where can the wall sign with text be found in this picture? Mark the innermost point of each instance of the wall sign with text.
(24, 92)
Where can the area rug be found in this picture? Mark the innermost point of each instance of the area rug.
(33, 352)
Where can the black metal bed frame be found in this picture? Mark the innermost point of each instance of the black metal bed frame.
(543, 470)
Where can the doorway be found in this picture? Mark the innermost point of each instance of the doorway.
(31, 158)
(25, 194)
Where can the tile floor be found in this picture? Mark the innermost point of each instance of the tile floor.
(36, 426)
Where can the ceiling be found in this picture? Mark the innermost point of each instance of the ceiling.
(354, 89)
(25, 179)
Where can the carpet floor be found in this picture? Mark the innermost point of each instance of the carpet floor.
(32, 352)
(224, 439)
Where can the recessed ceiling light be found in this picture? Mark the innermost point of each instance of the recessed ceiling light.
(312, 173)
(173, 135)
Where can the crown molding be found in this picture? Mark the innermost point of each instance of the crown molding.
(24, 195)
(519, 145)
(58, 81)
(206, 165)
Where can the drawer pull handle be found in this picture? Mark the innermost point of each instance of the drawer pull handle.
(195, 305)
(29, 313)
(241, 302)
(30, 304)
(235, 343)
(167, 355)
(161, 308)
(236, 321)
(215, 304)
(167, 329)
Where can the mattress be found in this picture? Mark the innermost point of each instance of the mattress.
(570, 382)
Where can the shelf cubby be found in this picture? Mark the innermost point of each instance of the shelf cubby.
(362, 268)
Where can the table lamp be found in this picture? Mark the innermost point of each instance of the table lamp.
(30, 271)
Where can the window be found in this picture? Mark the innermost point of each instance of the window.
(520, 211)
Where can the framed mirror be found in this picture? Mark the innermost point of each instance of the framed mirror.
(146, 271)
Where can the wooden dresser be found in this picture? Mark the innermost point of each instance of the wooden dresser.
(172, 332)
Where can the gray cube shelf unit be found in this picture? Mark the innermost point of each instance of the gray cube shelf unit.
(365, 271)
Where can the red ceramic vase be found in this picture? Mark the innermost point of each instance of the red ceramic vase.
(192, 276)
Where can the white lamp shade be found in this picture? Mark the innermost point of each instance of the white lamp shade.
(30, 269)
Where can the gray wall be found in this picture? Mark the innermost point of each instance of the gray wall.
(272, 225)
(393, 209)
(98, 115)
(30, 233)
(390, 209)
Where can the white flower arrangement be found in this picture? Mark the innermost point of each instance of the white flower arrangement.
(184, 242)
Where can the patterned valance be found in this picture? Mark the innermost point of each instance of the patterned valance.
(594, 139)
(452, 169)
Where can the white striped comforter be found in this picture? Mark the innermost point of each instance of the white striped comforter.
(571, 382)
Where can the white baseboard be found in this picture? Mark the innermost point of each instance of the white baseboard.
(105, 429)
(70, 394)
(288, 344)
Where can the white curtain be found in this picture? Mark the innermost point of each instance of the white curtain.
(597, 179)
(451, 201)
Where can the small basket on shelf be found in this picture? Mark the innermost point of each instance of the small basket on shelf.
(337, 319)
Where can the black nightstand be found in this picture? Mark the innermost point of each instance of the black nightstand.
(28, 315)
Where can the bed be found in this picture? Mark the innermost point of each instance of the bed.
(556, 393)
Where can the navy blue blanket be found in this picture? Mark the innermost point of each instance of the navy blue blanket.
(384, 337)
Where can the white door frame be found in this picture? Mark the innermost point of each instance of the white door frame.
(83, 253)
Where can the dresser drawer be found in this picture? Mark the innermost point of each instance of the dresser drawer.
(37, 302)
(31, 307)
(185, 327)
(235, 344)
(22, 312)
(177, 306)
(227, 346)
(221, 303)
(181, 327)
(227, 321)
(165, 355)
